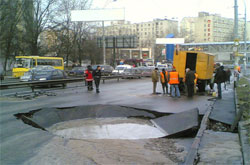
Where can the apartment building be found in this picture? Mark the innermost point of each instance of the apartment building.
(210, 28)
(146, 33)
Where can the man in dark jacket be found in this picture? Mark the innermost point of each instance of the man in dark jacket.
(220, 77)
(190, 77)
(97, 77)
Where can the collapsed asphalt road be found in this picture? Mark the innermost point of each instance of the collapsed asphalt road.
(22, 143)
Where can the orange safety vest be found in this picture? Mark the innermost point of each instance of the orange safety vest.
(238, 68)
(162, 77)
(196, 77)
(173, 78)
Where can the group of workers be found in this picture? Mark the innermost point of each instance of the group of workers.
(172, 78)
(190, 80)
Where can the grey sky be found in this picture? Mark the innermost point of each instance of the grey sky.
(147, 10)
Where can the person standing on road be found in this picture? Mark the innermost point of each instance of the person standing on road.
(89, 77)
(174, 82)
(220, 77)
(190, 78)
(97, 77)
(195, 82)
(155, 79)
(164, 81)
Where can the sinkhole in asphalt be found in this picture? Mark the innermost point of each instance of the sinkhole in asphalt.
(110, 122)
(106, 128)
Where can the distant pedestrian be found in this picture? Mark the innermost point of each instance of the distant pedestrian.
(220, 77)
(97, 77)
(89, 77)
(164, 81)
(155, 79)
(190, 78)
(174, 82)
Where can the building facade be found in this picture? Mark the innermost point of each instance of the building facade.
(146, 33)
(210, 28)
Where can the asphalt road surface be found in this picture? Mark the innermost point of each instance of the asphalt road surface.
(21, 143)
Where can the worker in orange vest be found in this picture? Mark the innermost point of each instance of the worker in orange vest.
(174, 82)
(164, 80)
(195, 81)
(238, 68)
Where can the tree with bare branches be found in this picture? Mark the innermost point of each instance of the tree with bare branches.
(72, 35)
(37, 17)
(10, 15)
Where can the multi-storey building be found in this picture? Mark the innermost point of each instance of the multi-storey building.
(210, 28)
(146, 33)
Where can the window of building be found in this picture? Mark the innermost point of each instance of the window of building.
(208, 29)
(208, 34)
(208, 25)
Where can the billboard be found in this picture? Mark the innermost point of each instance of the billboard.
(98, 15)
(119, 42)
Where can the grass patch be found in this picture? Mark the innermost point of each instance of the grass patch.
(243, 92)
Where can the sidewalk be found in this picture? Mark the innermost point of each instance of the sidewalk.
(224, 109)
(218, 147)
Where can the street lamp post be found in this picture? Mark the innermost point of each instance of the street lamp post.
(245, 37)
(103, 44)
(236, 40)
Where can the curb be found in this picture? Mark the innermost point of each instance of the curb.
(245, 146)
(192, 155)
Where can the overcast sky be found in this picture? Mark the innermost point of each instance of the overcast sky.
(147, 10)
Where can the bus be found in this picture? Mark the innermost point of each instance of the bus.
(25, 63)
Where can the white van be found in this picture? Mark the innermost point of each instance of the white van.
(120, 69)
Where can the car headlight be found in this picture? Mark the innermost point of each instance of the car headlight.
(42, 79)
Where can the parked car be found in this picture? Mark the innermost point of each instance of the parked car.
(106, 69)
(147, 71)
(120, 69)
(131, 73)
(41, 75)
(77, 71)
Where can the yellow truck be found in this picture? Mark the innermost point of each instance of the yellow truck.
(200, 62)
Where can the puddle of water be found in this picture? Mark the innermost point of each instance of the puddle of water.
(106, 128)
